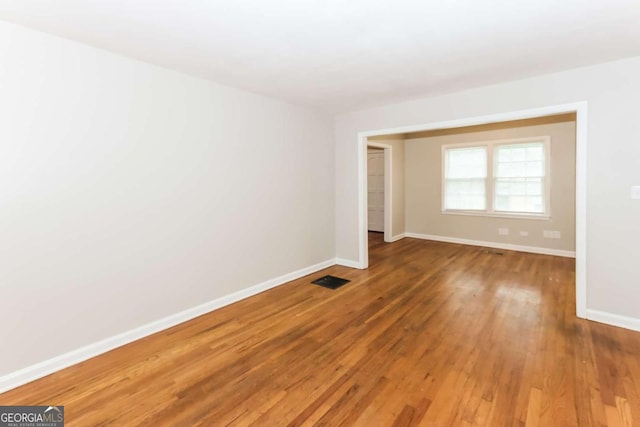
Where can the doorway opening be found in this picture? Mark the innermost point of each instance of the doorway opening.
(580, 111)
(375, 189)
(379, 188)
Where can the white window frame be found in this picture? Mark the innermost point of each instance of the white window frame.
(489, 189)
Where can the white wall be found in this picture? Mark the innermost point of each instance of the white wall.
(424, 188)
(129, 192)
(612, 91)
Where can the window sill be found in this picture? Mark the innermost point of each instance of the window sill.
(540, 217)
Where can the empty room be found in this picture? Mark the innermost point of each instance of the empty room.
(300, 213)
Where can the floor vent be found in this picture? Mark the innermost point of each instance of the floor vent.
(330, 282)
(493, 252)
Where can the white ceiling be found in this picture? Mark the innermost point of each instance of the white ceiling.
(340, 55)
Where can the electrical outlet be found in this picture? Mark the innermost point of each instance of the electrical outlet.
(551, 234)
(524, 233)
(503, 231)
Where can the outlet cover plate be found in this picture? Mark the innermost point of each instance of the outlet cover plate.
(552, 234)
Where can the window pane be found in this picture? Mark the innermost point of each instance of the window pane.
(502, 187)
(506, 169)
(465, 178)
(519, 195)
(465, 202)
(519, 154)
(519, 174)
(534, 168)
(534, 187)
(466, 162)
(502, 203)
(503, 155)
(535, 151)
(467, 194)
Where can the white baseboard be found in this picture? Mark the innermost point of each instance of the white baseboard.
(348, 263)
(41, 369)
(397, 237)
(614, 319)
(496, 245)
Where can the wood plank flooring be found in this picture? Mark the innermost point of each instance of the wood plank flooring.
(432, 334)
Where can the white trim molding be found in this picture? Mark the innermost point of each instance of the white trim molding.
(580, 108)
(581, 210)
(46, 367)
(614, 319)
(347, 263)
(496, 245)
(397, 237)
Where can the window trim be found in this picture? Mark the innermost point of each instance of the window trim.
(489, 210)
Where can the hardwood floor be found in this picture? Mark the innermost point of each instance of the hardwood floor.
(431, 334)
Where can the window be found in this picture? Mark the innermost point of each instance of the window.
(501, 178)
(466, 178)
(519, 173)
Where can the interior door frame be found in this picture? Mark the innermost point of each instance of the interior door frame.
(388, 186)
(579, 108)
